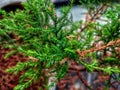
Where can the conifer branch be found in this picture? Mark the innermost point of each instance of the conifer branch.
(111, 43)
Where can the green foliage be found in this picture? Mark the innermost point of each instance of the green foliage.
(111, 29)
(48, 40)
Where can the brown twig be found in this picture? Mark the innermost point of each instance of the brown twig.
(111, 43)
(83, 80)
(92, 18)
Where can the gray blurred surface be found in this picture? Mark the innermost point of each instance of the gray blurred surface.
(4, 3)
(78, 12)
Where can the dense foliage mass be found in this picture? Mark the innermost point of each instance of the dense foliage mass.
(51, 42)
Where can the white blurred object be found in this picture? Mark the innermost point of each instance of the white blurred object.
(100, 44)
(77, 86)
(4, 3)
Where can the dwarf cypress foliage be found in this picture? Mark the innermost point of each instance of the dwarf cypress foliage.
(51, 41)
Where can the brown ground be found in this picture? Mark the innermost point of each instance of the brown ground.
(9, 81)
